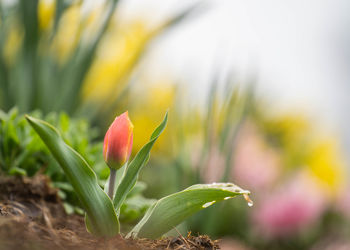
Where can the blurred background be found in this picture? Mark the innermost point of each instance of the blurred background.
(256, 93)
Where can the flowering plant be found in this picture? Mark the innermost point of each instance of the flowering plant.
(102, 209)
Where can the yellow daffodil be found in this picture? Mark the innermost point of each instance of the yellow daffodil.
(115, 60)
(68, 33)
(154, 103)
(46, 13)
(304, 145)
(12, 44)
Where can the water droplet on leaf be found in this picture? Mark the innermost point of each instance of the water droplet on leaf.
(249, 201)
(208, 204)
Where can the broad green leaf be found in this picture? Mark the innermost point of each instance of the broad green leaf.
(99, 208)
(171, 210)
(133, 169)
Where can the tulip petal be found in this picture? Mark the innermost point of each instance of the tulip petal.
(118, 141)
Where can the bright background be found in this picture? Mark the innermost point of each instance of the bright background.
(296, 50)
(257, 93)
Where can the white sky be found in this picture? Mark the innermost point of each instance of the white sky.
(297, 49)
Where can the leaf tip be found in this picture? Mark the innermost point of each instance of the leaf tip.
(35, 123)
(29, 119)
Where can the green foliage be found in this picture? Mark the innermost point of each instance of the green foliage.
(135, 204)
(22, 152)
(101, 217)
(40, 63)
(21, 148)
(96, 203)
(205, 141)
(34, 77)
(102, 214)
(171, 210)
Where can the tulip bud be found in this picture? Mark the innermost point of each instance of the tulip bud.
(118, 142)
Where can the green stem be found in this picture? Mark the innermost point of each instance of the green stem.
(111, 183)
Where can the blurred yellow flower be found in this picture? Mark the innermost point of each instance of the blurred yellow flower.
(326, 163)
(115, 60)
(68, 34)
(303, 145)
(146, 114)
(287, 130)
(46, 13)
(12, 44)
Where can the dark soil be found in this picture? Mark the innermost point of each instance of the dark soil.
(32, 217)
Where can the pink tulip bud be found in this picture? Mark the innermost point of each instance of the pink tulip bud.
(118, 142)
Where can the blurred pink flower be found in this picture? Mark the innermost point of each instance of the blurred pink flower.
(255, 165)
(215, 166)
(296, 205)
(232, 244)
(194, 146)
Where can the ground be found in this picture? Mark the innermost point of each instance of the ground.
(32, 217)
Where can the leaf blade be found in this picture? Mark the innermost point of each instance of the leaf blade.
(98, 206)
(171, 210)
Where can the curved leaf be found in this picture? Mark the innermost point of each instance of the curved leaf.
(99, 208)
(133, 169)
(171, 210)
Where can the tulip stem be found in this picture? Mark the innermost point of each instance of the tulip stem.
(111, 183)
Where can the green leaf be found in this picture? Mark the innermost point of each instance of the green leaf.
(133, 169)
(17, 171)
(133, 208)
(171, 210)
(99, 208)
(68, 208)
